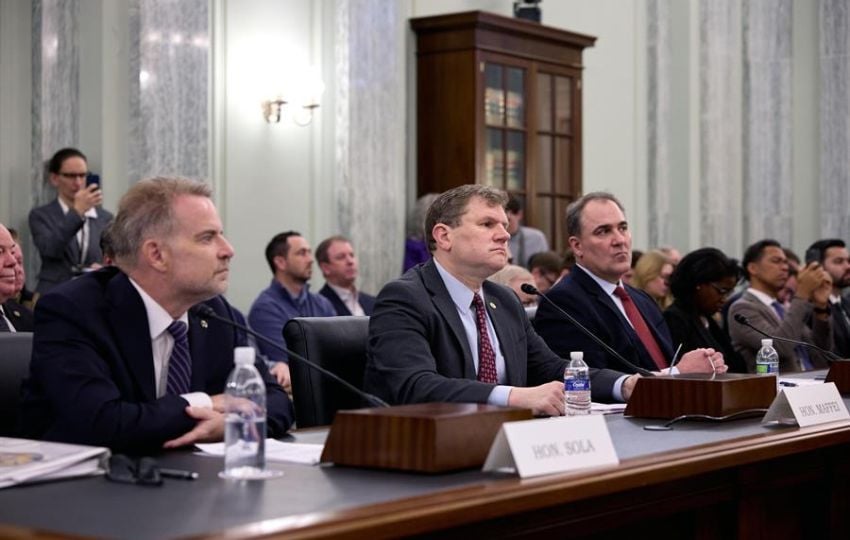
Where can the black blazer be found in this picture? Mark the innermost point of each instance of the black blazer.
(580, 296)
(686, 328)
(54, 234)
(418, 351)
(841, 328)
(367, 301)
(91, 378)
(20, 316)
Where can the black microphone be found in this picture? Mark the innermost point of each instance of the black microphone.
(203, 310)
(740, 319)
(528, 288)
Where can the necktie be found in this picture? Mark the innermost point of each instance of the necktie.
(779, 309)
(486, 355)
(642, 330)
(801, 351)
(4, 326)
(180, 364)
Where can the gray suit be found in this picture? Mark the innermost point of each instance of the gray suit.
(418, 351)
(54, 234)
(748, 342)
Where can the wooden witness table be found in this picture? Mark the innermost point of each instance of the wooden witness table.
(698, 481)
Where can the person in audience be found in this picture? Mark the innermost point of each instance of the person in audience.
(120, 358)
(25, 297)
(766, 267)
(700, 284)
(415, 246)
(652, 275)
(567, 263)
(630, 273)
(833, 256)
(546, 269)
(13, 316)
(525, 241)
(106, 246)
(625, 318)
(672, 254)
(291, 261)
(67, 231)
(443, 332)
(339, 267)
(787, 293)
(514, 277)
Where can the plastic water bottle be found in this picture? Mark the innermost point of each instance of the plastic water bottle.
(245, 421)
(767, 359)
(577, 386)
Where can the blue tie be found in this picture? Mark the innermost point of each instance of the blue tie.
(779, 309)
(180, 364)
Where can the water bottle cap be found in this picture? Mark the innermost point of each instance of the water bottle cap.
(243, 356)
(576, 355)
(767, 343)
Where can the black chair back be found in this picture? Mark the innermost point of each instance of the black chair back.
(338, 344)
(15, 351)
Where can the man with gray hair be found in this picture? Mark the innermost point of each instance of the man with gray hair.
(625, 318)
(443, 332)
(119, 358)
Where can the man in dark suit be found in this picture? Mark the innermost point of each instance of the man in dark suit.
(442, 332)
(833, 256)
(339, 267)
(13, 316)
(18, 316)
(623, 317)
(67, 231)
(118, 358)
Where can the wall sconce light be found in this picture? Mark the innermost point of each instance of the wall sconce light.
(305, 99)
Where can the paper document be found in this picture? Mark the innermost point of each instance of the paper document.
(307, 454)
(791, 382)
(24, 461)
(607, 408)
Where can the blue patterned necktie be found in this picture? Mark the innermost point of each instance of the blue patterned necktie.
(180, 364)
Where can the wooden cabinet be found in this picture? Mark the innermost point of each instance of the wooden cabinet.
(499, 102)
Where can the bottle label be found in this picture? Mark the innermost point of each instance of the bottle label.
(762, 368)
(576, 384)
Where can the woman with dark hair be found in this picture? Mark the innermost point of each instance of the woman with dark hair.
(702, 281)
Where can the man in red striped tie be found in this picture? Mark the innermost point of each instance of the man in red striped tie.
(625, 318)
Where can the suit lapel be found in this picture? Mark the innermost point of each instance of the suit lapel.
(446, 307)
(72, 248)
(129, 322)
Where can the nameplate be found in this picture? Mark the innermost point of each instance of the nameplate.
(552, 445)
(807, 406)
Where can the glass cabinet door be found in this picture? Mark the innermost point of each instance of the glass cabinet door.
(505, 118)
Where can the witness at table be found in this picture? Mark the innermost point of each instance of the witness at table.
(700, 285)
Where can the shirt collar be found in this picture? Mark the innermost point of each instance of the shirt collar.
(763, 297)
(343, 293)
(606, 285)
(305, 290)
(90, 213)
(158, 319)
(834, 299)
(461, 294)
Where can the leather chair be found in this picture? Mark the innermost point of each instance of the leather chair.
(15, 351)
(338, 344)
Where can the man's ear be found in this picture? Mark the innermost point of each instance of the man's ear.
(442, 234)
(575, 245)
(279, 262)
(154, 255)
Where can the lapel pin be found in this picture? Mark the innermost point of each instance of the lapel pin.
(492, 305)
(16, 313)
(204, 323)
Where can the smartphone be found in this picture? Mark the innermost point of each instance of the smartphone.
(92, 179)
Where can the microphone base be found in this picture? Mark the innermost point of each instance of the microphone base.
(425, 438)
(839, 373)
(670, 396)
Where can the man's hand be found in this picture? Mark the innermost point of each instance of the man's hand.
(629, 386)
(809, 280)
(280, 370)
(546, 399)
(87, 198)
(210, 428)
(820, 296)
(702, 361)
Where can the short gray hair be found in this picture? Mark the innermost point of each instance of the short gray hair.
(575, 209)
(451, 205)
(146, 209)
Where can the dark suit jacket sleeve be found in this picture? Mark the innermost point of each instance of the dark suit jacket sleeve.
(51, 237)
(413, 356)
(68, 363)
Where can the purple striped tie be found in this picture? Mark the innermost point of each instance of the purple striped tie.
(180, 364)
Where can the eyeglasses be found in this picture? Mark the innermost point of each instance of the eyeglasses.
(722, 291)
(73, 175)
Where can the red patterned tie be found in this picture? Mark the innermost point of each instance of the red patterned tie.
(641, 328)
(486, 356)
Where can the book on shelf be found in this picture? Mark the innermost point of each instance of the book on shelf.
(24, 461)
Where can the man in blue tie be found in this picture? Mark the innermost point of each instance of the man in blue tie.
(119, 359)
(766, 268)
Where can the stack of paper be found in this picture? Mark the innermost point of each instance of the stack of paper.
(24, 461)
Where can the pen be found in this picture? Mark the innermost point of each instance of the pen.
(787, 383)
(178, 474)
